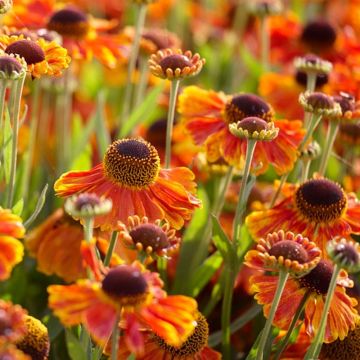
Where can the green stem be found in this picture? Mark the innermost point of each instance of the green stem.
(314, 122)
(285, 340)
(329, 142)
(111, 248)
(315, 346)
(88, 228)
(132, 63)
(144, 74)
(115, 339)
(241, 205)
(17, 93)
(265, 42)
(3, 85)
(283, 276)
(170, 120)
(33, 138)
(162, 269)
(305, 170)
(310, 81)
(220, 197)
(278, 191)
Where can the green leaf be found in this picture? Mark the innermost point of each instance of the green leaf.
(38, 207)
(18, 207)
(204, 273)
(8, 136)
(74, 346)
(245, 243)
(143, 111)
(54, 326)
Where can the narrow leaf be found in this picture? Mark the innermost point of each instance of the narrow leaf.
(74, 346)
(18, 207)
(221, 241)
(38, 207)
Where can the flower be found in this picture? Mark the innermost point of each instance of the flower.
(342, 314)
(280, 250)
(9, 351)
(194, 348)
(151, 238)
(320, 104)
(12, 321)
(130, 175)
(42, 57)
(137, 294)
(345, 253)
(11, 249)
(35, 342)
(207, 116)
(174, 64)
(12, 67)
(318, 209)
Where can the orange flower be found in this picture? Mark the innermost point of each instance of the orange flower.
(42, 57)
(207, 116)
(11, 249)
(318, 209)
(12, 321)
(342, 314)
(130, 175)
(194, 348)
(83, 37)
(135, 293)
(9, 351)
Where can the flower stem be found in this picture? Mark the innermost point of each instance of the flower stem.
(144, 74)
(221, 192)
(170, 120)
(305, 170)
(310, 81)
(3, 85)
(314, 122)
(315, 347)
(88, 228)
(278, 191)
(111, 248)
(17, 92)
(329, 142)
(241, 205)
(115, 339)
(296, 317)
(265, 42)
(132, 63)
(283, 276)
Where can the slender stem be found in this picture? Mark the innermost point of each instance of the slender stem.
(296, 317)
(115, 339)
(144, 74)
(329, 142)
(283, 276)
(220, 193)
(170, 120)
(265, 42)
(314, 122)
(88, 228)
(305, 170)
(17, 89)
(315, 347)
(278, 191)
(241, 205)
(3, 84)
(111, 248)
(33, 138)
(310, 81)
(132, 63)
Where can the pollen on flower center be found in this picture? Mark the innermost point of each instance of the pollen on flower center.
(194, 343)
(69, 22)
(149, 235)
(133, 163)
(29, 50)
(289, 250)
(318, 279)
(126, 284)
(320, 200)
(175, 61)
(247, 105)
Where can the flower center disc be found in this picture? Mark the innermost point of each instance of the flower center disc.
(175, 61)
(85, 200)
(320, 200)
(252, 124)
(193, 345)
(318, 279)
(8, 64)
(289, 250)
(319, 100)
(69, 22)
(347, 253)
(133, 163)
(149, 235)
(318, 34)
(29, 50)
(247, 105)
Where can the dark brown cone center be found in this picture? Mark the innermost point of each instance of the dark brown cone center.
(289, 250)
(29, 50)
(252, 124)
(150, 235)
(133, 148)
(9, 64)
(318, 33)
(347, 252)
(319, 100)
(318, 280)
(175, 61)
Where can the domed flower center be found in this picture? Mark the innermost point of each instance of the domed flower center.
(175, 61)
(126, 284)
(247, 105)
(318, 34)
(252, 124)
(69, 22)
(132, 163)
(150, 235)
(347, 253)
(9, 64)
(346, 102)
(318, 279)
(29, 50)
(319, 100)
(192, 346)
(36, 341)
(289, 250)
(320, 200)
(86, 200)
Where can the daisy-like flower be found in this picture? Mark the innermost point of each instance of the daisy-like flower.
(320, 104)
(318, 209)
(12, 320)
(194, 348)
(130, 175)
(35, 342)
(342, 314)
(12, 66)
(133, 292)
(42, 57)
(208, 114)
(151, 238)
(11, 249)
(295, 254)
(174, 64)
